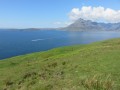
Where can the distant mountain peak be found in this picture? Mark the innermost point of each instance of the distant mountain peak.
(88, 25)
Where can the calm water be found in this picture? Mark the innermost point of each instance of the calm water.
(13, 43)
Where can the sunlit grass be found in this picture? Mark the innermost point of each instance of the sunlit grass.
(82, 67)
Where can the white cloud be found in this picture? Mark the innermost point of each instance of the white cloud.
(57, 23)
(95, 14)
(62, 23)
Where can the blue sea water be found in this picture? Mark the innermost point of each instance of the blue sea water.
(20, 42)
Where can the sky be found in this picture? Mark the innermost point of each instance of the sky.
(56, 13)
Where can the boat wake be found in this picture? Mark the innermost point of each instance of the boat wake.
(35, 40)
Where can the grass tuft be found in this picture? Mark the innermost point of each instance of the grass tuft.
(98, 82)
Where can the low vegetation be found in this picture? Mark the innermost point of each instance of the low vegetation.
(94, 66)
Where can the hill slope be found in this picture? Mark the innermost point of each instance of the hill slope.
(84, 67)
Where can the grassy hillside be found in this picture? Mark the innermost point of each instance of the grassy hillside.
(84, 67)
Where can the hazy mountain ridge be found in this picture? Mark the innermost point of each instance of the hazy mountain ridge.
(88, 25)
(82, 25)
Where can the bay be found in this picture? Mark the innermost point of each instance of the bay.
(20, 42)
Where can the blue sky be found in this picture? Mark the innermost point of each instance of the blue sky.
(44, 13)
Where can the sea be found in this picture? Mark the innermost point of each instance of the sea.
(19, 42)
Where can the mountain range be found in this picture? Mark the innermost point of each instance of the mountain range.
(88, 25)
(82, 25)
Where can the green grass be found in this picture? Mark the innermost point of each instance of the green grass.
(94, 66)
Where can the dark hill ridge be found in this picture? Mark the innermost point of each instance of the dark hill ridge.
(88, 25)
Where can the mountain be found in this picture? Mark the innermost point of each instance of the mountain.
(83, 25)
(88, 25)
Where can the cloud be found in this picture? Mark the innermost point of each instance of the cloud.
(57, 23)
(95, 14)
(63, 23)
